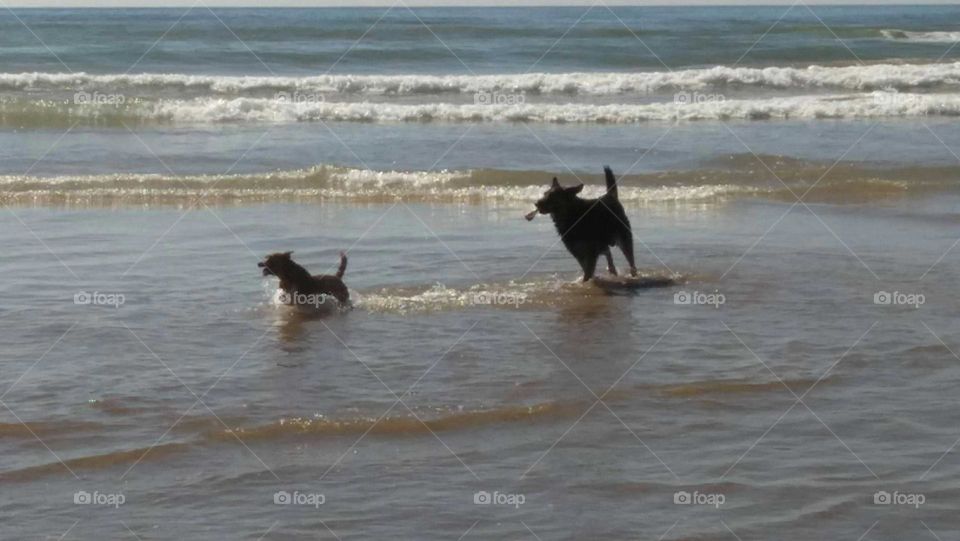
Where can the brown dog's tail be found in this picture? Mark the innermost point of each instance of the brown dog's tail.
(343, 265)
(611, 181)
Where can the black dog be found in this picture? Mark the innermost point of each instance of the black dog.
(589, 227)
(297, 283)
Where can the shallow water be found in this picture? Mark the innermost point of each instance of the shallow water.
(786, 366)
(259, 398)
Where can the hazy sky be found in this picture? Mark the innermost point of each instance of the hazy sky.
(384, 3)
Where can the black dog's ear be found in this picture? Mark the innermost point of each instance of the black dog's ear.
(556, 183)
(574, 190)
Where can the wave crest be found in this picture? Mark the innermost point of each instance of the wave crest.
(733, 177)
(401, 425)
(266, 110)
(337, 183)
(854, 77)
(921, 37)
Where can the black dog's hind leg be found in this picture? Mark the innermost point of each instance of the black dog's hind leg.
(626, 245)
(611, 268)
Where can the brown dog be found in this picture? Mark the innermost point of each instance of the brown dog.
(299, 285)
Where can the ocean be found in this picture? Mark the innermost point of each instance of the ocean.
(792, 170)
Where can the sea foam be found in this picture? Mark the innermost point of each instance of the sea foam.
(855, 77)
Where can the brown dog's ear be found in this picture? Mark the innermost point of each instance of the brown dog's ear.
(556, 183)
(575, 189)
(288, 254)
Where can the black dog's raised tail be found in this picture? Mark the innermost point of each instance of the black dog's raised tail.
(611, 181)
(343, 265)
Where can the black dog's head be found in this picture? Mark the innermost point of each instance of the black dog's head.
(557, 198)
(276, 264)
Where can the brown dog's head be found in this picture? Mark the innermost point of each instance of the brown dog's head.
(556, 198)
(276, 264)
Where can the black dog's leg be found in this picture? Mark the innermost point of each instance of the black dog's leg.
(582, 260)
(589, 264)
(611, 268)
(626, 245)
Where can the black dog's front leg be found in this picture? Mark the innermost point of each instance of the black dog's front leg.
(589, 264)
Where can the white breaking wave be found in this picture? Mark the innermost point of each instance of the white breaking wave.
(922, 37)
(869, 77)
(864, 105)
(367, 179)
(337, 183)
